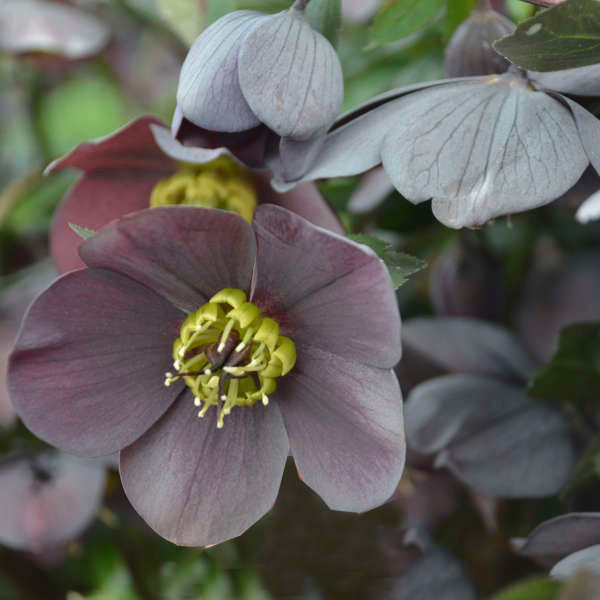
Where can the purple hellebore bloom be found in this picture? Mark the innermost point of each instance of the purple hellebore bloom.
(269, 82)
(88, 370)
(47, 499)
(480, 147)
(120, 172)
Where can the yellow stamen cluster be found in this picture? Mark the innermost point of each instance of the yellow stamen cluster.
(218, 184)
(230, 355)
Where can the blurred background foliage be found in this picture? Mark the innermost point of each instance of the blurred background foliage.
(50, 103)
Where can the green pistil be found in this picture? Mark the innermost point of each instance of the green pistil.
(230, 355)
(218, 184)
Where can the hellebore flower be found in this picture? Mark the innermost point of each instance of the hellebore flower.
(47, 499)
(590, 209)
(33, 26)
(266, 81)
(282, 334)
(483, 427)
(470, 51)
(137, 167)
(479, 147)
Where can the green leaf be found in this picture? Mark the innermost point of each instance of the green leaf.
(563, 37)
(184, 17)
(82, 232)
(400, 18)
(400, 265)
(326, 17)
(456, 12)
(536, 588)
(587, 471)
(573, 374)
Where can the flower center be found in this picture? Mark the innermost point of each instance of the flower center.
(218, 184)
(230, 355)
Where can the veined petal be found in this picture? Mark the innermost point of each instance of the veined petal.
(291, 76)
(87, 372)
(93, 202)
(209, 92)
(324, 290)
(579, 81)
(197, 485)
(468, 345)
(344, 422)
(371, 191)
(128, 151)
(482, 150)
(184, 253)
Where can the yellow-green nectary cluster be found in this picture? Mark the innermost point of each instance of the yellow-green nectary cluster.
(229, 354)
(218, 184)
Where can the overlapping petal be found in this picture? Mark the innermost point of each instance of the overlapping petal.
(87, 372)
(209, 92)
(344, 422)
(184, 253)
(198, 485)
(320, 288)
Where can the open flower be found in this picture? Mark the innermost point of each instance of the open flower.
(478, 147)
(270, 82)
(280, 335)
(138, 166)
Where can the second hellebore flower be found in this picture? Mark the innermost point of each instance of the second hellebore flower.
(139, 166)
(281, 336)
(266, 82)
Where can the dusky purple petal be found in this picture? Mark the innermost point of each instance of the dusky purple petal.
(291, 76)
(93, 202)
(184, 253)
(324, 290)
(304, 200)
(590, 209)
(87, 372)
(446, 409)
(209, 92)
(31, 26)
(468, 345)
(200, 153)
(580, 81)
(491, 435)
(344, 422)
(482, 150)
(372, 190)
(587, 560)
(128, 151)
(40, 514)
(556, 538)
(438, 576)
(197, 485)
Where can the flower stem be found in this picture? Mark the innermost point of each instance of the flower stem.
(300, 5)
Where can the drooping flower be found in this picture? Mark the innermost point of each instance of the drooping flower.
(478, 147)
(480, 423)
(282, 334)
(470, 50)
(269, 82)
(47, 499)
(138, 166)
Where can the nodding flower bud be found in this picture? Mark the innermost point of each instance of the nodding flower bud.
(268, 76)
(470, 50)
